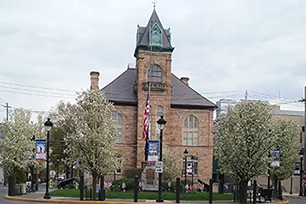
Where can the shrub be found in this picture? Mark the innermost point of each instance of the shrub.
(117, 184)
(21, 177)
(172, 188)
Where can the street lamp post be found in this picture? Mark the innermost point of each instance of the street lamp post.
(57, 159)
(185, 154)
(48, 127)
(161, 125)
(301, 172)
(32, 168)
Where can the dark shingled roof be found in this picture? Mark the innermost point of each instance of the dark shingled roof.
(121, 92)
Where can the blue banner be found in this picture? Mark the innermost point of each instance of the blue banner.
(153, 149)
(40, 150)
(276, 158)
(189, 167)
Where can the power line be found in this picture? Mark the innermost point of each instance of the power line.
(39, 87)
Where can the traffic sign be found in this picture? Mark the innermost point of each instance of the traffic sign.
(159, 167)
(304, 176)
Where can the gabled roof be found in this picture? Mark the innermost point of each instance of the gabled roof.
(121, 89)
(143, 36)
(121, 92)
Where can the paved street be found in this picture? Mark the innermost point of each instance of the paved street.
(4, 191)
(296, 200)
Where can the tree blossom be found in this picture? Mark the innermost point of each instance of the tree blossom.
(16, 147)
(92, 140)
(244, 140)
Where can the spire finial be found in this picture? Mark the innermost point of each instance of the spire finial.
(154, 4)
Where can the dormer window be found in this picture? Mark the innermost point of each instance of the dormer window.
(155, 74)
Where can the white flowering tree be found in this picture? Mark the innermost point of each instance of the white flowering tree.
(93, 141)
(171, 166)
(244, 141)
(62, 117)
(16, 148)
(287, 133)
(40, 133)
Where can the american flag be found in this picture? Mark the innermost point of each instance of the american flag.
(145, 121)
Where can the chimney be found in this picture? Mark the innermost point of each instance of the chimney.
(94, 80)
(185, 80)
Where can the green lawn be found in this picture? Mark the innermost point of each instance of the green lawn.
(144, 195)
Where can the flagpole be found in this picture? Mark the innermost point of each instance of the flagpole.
(149, 89)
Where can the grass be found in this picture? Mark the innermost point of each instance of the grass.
(144, 195)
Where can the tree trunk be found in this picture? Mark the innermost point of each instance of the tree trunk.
(275, 193)
(94, 185)
(243, 191)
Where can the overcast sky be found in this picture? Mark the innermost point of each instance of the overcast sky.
(48, 48)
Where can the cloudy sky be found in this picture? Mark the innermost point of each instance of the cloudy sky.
(228, 47)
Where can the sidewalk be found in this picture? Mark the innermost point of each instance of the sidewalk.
(38, 197)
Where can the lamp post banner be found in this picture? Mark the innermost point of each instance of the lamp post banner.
(296, 170)
(276, 158)
(189, 167)
(40, 150)
(153, 147)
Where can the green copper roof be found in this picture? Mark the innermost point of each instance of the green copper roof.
(160, 36)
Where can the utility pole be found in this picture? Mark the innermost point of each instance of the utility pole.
(304, 137)
(5, 172)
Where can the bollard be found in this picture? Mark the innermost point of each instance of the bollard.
(101, 194)
(280, 192)
(178, 182)
(210, 190)
(136, 189)
(254, 191)
(81, 186)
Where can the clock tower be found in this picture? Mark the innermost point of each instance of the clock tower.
(153, 55)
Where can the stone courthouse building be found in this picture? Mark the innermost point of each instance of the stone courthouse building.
(189, 115)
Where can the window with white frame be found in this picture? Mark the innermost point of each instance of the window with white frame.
(116, 117)
(159, 112)
(119, 160)
(191, 131)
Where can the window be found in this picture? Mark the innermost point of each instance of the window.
(194, 161)
(159, 112)
(119, 160)
(191, 131)
(155, 74)
(116, 117)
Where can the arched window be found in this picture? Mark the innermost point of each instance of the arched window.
(155, 74)
(116, 117)
(191, 131)
(159, 112)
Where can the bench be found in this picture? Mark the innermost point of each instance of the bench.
(266, 194)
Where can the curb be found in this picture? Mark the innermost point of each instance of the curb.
(295, 196)
(68, 201)
(100, 202)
